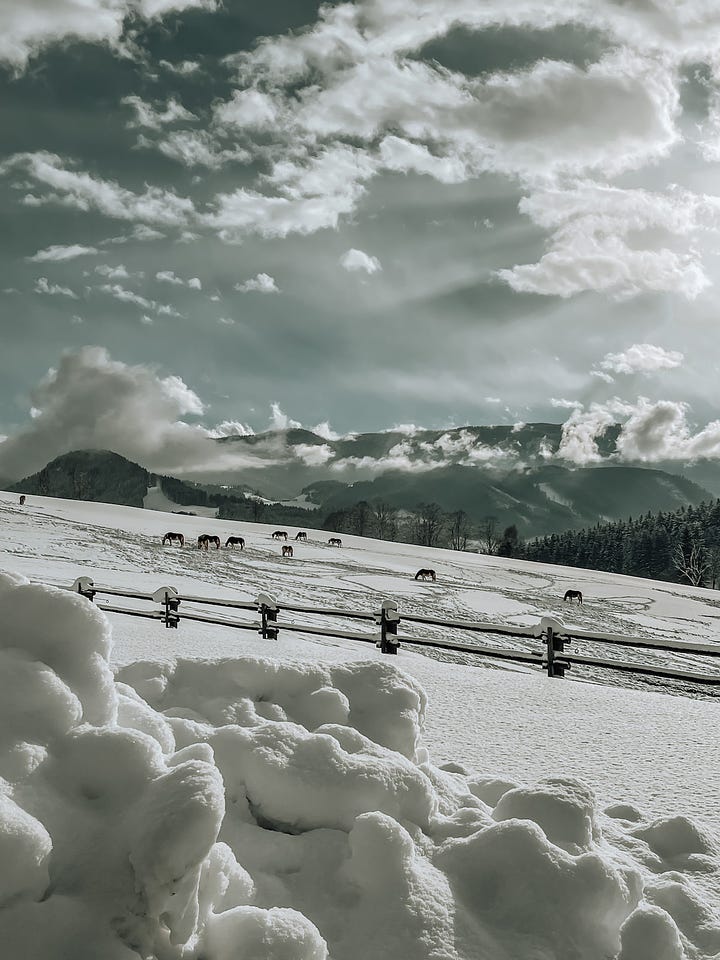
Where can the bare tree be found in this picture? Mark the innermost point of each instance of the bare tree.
(385, 519)
(489, 535)
(361, 517)
(459, 531)
(257, 508)
(429, 523)
(692, 562)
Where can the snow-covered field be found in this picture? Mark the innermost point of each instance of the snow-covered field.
(294, 808)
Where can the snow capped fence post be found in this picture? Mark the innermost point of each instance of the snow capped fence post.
(168, 597)
(388, 618)
(551, 629)
(268, 609)
(86, 587)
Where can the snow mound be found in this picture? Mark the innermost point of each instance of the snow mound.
(255, 810)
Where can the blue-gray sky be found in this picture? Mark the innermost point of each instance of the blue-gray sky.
(432, 212)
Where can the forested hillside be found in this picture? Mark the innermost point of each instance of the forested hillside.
(682, 546)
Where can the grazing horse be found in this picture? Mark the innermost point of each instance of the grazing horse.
(173, 538)
(279, 535)
(301, 535)
(22, 500)
(205, 539)
(573, 595)
(287, 551)
(334, 542)
(231, 541)
(426, 575)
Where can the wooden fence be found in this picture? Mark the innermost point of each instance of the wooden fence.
(550, 632)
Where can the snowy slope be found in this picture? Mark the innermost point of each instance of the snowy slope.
(395, 858)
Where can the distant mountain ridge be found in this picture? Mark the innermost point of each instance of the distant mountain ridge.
(542, 499)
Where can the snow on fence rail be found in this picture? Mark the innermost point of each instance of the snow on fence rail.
(550, 631)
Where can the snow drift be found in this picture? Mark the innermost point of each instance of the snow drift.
(258, 810)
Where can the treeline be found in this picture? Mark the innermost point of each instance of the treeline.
(682, 546)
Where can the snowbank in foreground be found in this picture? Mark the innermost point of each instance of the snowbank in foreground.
(257, 810)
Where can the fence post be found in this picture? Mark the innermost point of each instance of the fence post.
(168, 597)
(85, 586)
(268, 609)
(388, 619)
(551, 632)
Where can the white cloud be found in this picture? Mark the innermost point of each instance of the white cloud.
(127, 296)
(231, 428)
(262, 283)
(27, 27)
(641, 358)
(565, 404)
(43, 285)
(195, 148)
(280, 420)
(83, 191)
(356, 260)
(183, 68)
(325, 431)
(248, 109)
(146, 115)
(617, 241)
(59, 252)
(119, 272)
(313, 455)
(583, 428)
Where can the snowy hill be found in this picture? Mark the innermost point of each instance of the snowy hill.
(226, 797)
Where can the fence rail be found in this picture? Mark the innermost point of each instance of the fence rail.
(550, 632)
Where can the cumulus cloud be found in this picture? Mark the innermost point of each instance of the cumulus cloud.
(313, 455)
(280, 420)
(43, 285)
(356, 260)
(195, 148)
(146, 115)
(27, 27)
(231, 428)
(59, 252)
(262, 283)
(584, 428)
(641, 358)
(119, 272)
(120, 293)
(90, 401)
(168, 276)
(83, 191)
(183, 68)
(616, 241)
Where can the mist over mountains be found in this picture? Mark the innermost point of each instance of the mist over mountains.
(512, 473)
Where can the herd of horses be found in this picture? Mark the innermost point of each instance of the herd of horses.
(206, 539)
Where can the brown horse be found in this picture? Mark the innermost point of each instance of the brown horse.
(573, 595)
(174, 538)
(301, 536)
(22, 500)
(279, 535)
(205, 539)
(232, 541)
(334, 542)
(426, 574)
(287, 551)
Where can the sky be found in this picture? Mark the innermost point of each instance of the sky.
(361, 214)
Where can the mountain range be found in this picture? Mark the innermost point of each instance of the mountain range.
(510, 473)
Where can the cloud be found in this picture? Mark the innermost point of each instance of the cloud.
(248, 109)
(313, 455)
(262, 283)
(82, 191)
(27, 27)
(58, 253)
(583, 429)
(617, 241)
(355, 260)
(231, 428)
(146, 115)
(641, 358)
(43, 285)
(140, 232)
(280, 420)
(195, 148)
(183, 68)
(325, 431)
(167, 276)
(127, 296)
(119, 272)
(565, 404)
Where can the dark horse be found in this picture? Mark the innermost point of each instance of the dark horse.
(22, 500)
(174, 538)
(573, 595)
(231, 541)
(205, 539)
(426, 575)
(335, 542)
(287, 551)
(279, 535)
(301, 536)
